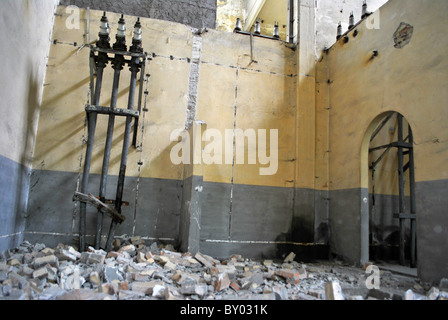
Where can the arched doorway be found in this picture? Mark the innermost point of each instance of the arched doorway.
(388, 171)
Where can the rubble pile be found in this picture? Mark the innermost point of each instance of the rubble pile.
(135, 271)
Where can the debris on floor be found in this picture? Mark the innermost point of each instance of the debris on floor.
(157, 272)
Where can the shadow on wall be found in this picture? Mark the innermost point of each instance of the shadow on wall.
(24, 170)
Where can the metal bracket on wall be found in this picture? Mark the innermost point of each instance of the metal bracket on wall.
(405, 146)
(118, 56)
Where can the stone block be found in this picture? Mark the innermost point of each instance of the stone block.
(158, 291)
(41, 261)
(281, 291)
(268, 263)
(411, 295)
(129, 249)
(379, 295)
(92, 258)
(48, 251)
(223, 282)
(40, 273)
(204, 260)
(94, 278)
(14, 262)
(443, 284)
(3, 275)
(112, 274)
(194, 289)
(73, 282)
(141, 257)
(290, 275)
(145, 287)
(333, 291)
(66, 255)
(235, 286)
(290, 257)
(433, 293)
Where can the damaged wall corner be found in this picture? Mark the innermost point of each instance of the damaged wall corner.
(190, 216)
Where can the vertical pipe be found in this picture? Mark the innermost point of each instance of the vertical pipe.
(91, 123)
(140, 99)
(291, 21)
(412, 195)
(106, 158)
(91, 120)
(124, 154)
(118, 63)
(401, 190)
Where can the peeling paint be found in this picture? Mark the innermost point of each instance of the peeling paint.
(403, 35)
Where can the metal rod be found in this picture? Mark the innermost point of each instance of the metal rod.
(381, 127)
(117, 63)
(402, 205)
(375, 163)
(91, 120)
(124, 154)
(291, 21)
(91, 124)
(397, 144)
(140, 99)
(252, 47)
(412, 196)
(107, 151)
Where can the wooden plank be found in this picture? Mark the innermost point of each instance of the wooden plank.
(100, 206)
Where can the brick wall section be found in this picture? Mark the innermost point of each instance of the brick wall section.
(195, 13)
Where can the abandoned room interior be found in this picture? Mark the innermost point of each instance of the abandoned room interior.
(295, 137)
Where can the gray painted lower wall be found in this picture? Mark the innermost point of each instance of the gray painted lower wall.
(53, 216)
(349, 227)
(190, 215)
(432, 229)
(14, 186)
(348, 222)
(254, 221)
(384, 229)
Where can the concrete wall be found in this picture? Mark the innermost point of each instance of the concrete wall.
(209, 79)
(266, 11)
(330, 13)
(198, 14)
(26, 28)
(355, 92)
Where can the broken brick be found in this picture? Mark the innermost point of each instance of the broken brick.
(290, 257)
(145, 287)
(291, 276)
(333, 291)
(41, 261)
(202, 259)
(223, 282)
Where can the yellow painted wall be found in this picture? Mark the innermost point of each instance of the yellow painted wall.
(411, 80)
(264, 93)
(386, 171)
(274, 11)
(25, 38)
(62, 129)
(227, 11)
